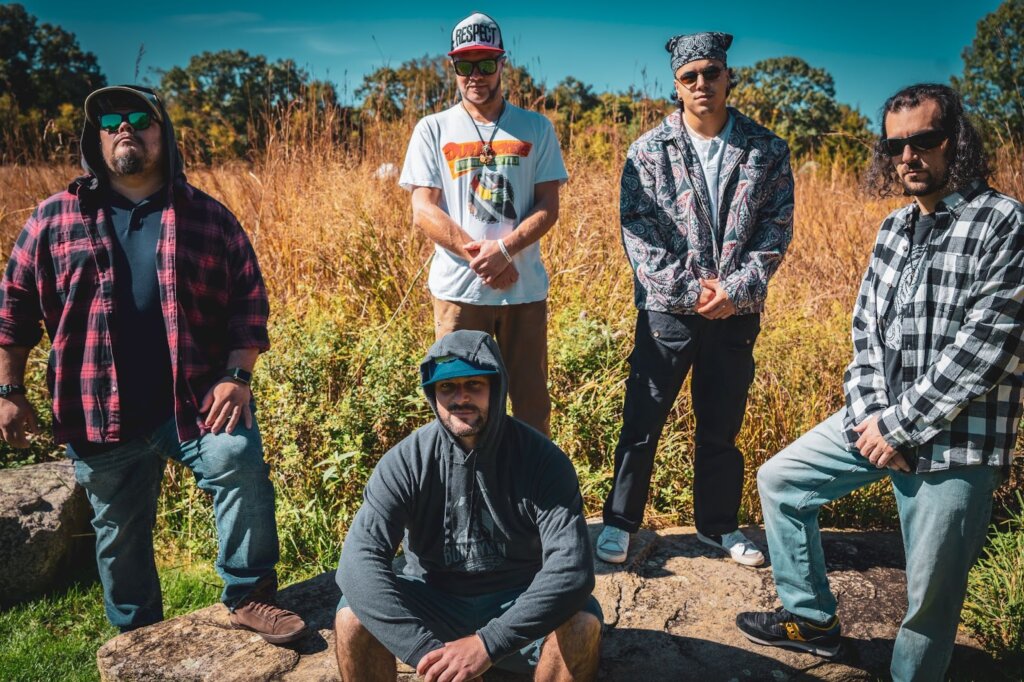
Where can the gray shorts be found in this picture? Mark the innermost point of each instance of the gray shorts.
(453, 616)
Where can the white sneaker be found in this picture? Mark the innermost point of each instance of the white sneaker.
(612, 545)
(737, 546)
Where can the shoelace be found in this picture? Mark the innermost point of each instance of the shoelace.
(266, 610)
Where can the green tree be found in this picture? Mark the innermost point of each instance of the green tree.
(572, 98)
(43, 71)
(419, 86)
(797, 101)
(993, 82)
(225, 101)
(520, 87)
(426, 85)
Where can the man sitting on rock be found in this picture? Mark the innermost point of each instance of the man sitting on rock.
(498, 564)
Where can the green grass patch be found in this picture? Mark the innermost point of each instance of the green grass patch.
(56, 637)
(994, 608)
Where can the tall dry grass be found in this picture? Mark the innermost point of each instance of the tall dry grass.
(351, 314)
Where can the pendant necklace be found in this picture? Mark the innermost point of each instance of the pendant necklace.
(487, 154)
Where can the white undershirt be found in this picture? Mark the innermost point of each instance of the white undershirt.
(710, 152)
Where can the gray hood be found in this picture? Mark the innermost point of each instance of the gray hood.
(480, 349)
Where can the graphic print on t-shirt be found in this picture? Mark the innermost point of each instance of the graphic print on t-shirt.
(492, 198)
(464, 157)
(476, 543)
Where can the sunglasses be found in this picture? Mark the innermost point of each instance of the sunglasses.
(710, 73)
(139, 120)
(919, 142)
(486, 67)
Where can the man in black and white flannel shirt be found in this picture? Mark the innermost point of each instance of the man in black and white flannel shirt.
(933, 395)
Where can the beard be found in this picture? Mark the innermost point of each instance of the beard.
(461, 427)
(129, 162)
(927, 182)
(488, 95)
(131, 159)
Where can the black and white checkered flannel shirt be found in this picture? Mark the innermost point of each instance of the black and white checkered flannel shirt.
(963, 334)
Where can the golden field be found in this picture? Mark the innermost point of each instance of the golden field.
(351, 316)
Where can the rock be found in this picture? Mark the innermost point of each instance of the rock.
(44, 528)
(669, 612)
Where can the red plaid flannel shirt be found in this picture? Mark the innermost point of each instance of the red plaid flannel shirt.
(60, 273)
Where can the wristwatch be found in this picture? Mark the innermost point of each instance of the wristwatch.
(238, 374)
(11, 389)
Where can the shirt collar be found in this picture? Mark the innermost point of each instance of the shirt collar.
(151, 203)
(952, 203)
(722, 137)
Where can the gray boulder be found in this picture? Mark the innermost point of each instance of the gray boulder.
(44, 528)
(669, 615)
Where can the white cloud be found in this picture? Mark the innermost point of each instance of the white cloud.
(218, 19)
(329, 47)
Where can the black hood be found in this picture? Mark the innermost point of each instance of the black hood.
(480, 349)
(92, 157)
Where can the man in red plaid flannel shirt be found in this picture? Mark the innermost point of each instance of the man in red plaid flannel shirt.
(156, 311)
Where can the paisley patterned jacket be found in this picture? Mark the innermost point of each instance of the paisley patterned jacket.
(666, 226)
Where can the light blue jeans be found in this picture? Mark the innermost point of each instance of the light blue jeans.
(944, 517)
(123, 485)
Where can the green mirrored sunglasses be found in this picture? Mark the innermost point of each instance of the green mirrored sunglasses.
(139, 120)
(486, 67)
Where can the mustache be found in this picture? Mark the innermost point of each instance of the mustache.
(467, 406)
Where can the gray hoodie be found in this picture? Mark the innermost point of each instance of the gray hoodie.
(507, 514)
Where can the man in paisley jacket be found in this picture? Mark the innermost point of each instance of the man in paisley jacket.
(707, 215)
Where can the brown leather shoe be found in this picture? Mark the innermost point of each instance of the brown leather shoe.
(264, 617)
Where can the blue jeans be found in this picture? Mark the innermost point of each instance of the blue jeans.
(123, 485)
(944, 518)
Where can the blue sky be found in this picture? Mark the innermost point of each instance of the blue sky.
(871, 48)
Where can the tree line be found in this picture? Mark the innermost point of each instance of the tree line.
(228, 104)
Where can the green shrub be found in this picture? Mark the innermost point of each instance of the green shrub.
(994, 608)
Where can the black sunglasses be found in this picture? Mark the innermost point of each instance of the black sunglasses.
(710, 73)
(486, 67)
(139, 120)
(920, 142)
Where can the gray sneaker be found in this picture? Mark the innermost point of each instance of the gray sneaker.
(737, 546)
(612, 545)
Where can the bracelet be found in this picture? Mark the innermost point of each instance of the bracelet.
(504, 250)
(11, 389)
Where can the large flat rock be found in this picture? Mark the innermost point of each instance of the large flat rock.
(44, 528)
(669, 614)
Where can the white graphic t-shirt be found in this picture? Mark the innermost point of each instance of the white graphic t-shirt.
(487, 201)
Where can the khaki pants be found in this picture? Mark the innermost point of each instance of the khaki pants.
(522, 334)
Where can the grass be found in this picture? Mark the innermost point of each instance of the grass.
(56, 637)
(994, 608)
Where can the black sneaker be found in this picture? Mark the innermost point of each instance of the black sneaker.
(782, 628)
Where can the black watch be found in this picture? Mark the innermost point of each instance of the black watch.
(11, 389)
(238, 374)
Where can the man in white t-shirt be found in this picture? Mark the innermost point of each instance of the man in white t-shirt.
(484, 176)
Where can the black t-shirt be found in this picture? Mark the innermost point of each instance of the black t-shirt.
(141, 351)
(910, 279)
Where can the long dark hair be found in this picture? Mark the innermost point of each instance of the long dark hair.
(966, 155)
